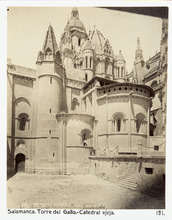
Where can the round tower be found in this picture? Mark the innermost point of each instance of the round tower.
(48, 102)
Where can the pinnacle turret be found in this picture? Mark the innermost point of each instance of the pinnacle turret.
(50, 41)
(50, 49)
(139, 52)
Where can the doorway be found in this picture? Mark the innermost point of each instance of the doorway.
(20, 163)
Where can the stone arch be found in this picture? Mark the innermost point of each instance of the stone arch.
(75, 104)
(23, 120)
(22, 99)
(119, 122)
(86, 137)
(48, 51)
(20, 142)
(98, 65)
(140, 117)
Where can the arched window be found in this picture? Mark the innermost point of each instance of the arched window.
(86, 137)
(140, 123)
(79, 42)
(90, 62)
(23, 120)
(151, 129)
(118, 74)
(119, 122)
(122, 72)
(75, 103)
(86, 62)
(98, 66)
(134, 80)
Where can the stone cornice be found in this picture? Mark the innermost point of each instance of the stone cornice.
(115, 96)
(74, 83)
(65, 115)
(19, 75)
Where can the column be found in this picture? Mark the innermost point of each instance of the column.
(148, 123)
(107, 144)
(129, 121)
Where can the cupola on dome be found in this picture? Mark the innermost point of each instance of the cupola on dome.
(74, 21)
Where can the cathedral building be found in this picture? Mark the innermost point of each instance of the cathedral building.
(80, 102)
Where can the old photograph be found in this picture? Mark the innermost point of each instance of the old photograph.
(86, 107)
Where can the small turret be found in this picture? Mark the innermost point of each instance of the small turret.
(88, 60)
(121, 67)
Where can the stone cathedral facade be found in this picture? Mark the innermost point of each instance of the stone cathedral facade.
(80, 103)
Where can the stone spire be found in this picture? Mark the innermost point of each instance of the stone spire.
(50, 51)
(50, 41)
(138, 53)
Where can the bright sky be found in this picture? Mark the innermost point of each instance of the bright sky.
(27, 27)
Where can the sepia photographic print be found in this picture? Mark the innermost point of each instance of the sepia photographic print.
(86, 108)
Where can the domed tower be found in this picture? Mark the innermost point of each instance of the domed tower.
(73, 37)
(48, 102)
(121, 67)
(88, 60)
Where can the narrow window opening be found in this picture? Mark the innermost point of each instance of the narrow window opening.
(79, 42)
(49, 131)
(90, 62)
(149, 170)
(86, 77)
(50, 110)
(156, 147)
(53, 154)
(118, 125)
(86, 60)
(22, 123)
(51, 80)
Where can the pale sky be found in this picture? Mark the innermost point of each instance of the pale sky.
(27, 28)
